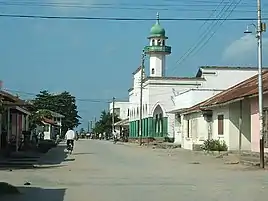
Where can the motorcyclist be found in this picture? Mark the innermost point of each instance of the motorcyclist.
(70, 137)
(115, 135)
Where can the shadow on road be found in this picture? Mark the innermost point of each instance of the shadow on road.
(53, 158)
(82, 154)
(35, 193)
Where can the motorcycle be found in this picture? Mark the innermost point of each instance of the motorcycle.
(70, 148)
(115, 140)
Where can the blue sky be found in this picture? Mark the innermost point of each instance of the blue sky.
(95, 59)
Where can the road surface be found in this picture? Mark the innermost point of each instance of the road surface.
(102, 171)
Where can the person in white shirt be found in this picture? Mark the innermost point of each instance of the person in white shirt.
(70, 137)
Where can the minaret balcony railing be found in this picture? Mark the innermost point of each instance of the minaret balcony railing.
(151, 49)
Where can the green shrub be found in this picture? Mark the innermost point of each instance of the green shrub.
(214, 145)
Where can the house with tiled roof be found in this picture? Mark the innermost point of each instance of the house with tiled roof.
(217, 79)
(13, 119)
(51, 127)
(231, 115)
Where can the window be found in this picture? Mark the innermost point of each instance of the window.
(152, 71)
(163, 42)
(127, 112)
(188, 128)
(159, 42)
(220, 124)
(178, 120)
(153, 43)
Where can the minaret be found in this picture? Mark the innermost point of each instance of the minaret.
(157, 50)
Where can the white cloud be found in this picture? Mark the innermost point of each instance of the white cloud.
(243, 50)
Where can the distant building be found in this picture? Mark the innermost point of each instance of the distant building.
(121, 109)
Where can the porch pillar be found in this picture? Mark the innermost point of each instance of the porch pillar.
(27, 123)
(8, 124)
(60, 126)
(17, 132)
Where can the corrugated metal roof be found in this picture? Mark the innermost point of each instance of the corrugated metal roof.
(244, 89)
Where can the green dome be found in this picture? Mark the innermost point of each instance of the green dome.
(157, 30)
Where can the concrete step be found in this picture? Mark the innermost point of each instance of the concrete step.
(251, 159)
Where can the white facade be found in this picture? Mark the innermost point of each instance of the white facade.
(188, 98)
(157, 65)
(158, 97)
(196, 128)
(121, 109)
(217, 79)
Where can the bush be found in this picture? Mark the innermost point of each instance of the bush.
(214, 145)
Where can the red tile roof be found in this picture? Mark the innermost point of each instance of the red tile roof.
(49, 121)
(244, 89)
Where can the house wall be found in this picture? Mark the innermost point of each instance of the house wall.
(198, 131)
(255, 125)
(234, 115)
(225, 78)
(192, 97)
(226, 126)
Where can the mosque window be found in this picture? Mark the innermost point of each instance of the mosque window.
(159, 42)
(153, 42)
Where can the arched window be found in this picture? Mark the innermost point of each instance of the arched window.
(159, 42)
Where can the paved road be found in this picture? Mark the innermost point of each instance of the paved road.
(102, 171)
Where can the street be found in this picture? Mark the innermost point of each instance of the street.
(102, 171)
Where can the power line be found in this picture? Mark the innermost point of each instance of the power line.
(202, 35)
(221, 23)
(68, 3)
(77, 99)
(123, 6)
(90, 100)
(202, 40)
(122, 18)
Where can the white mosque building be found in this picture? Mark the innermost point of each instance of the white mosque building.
(158, 91)
(161, 94)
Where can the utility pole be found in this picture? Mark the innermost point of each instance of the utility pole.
(113, 115)
(260, 29)
(141, 90)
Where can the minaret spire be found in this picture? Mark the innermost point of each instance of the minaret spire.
(157, 18)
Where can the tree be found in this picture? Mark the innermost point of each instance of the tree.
(82, 131)
(105, 123)
(63, 103)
